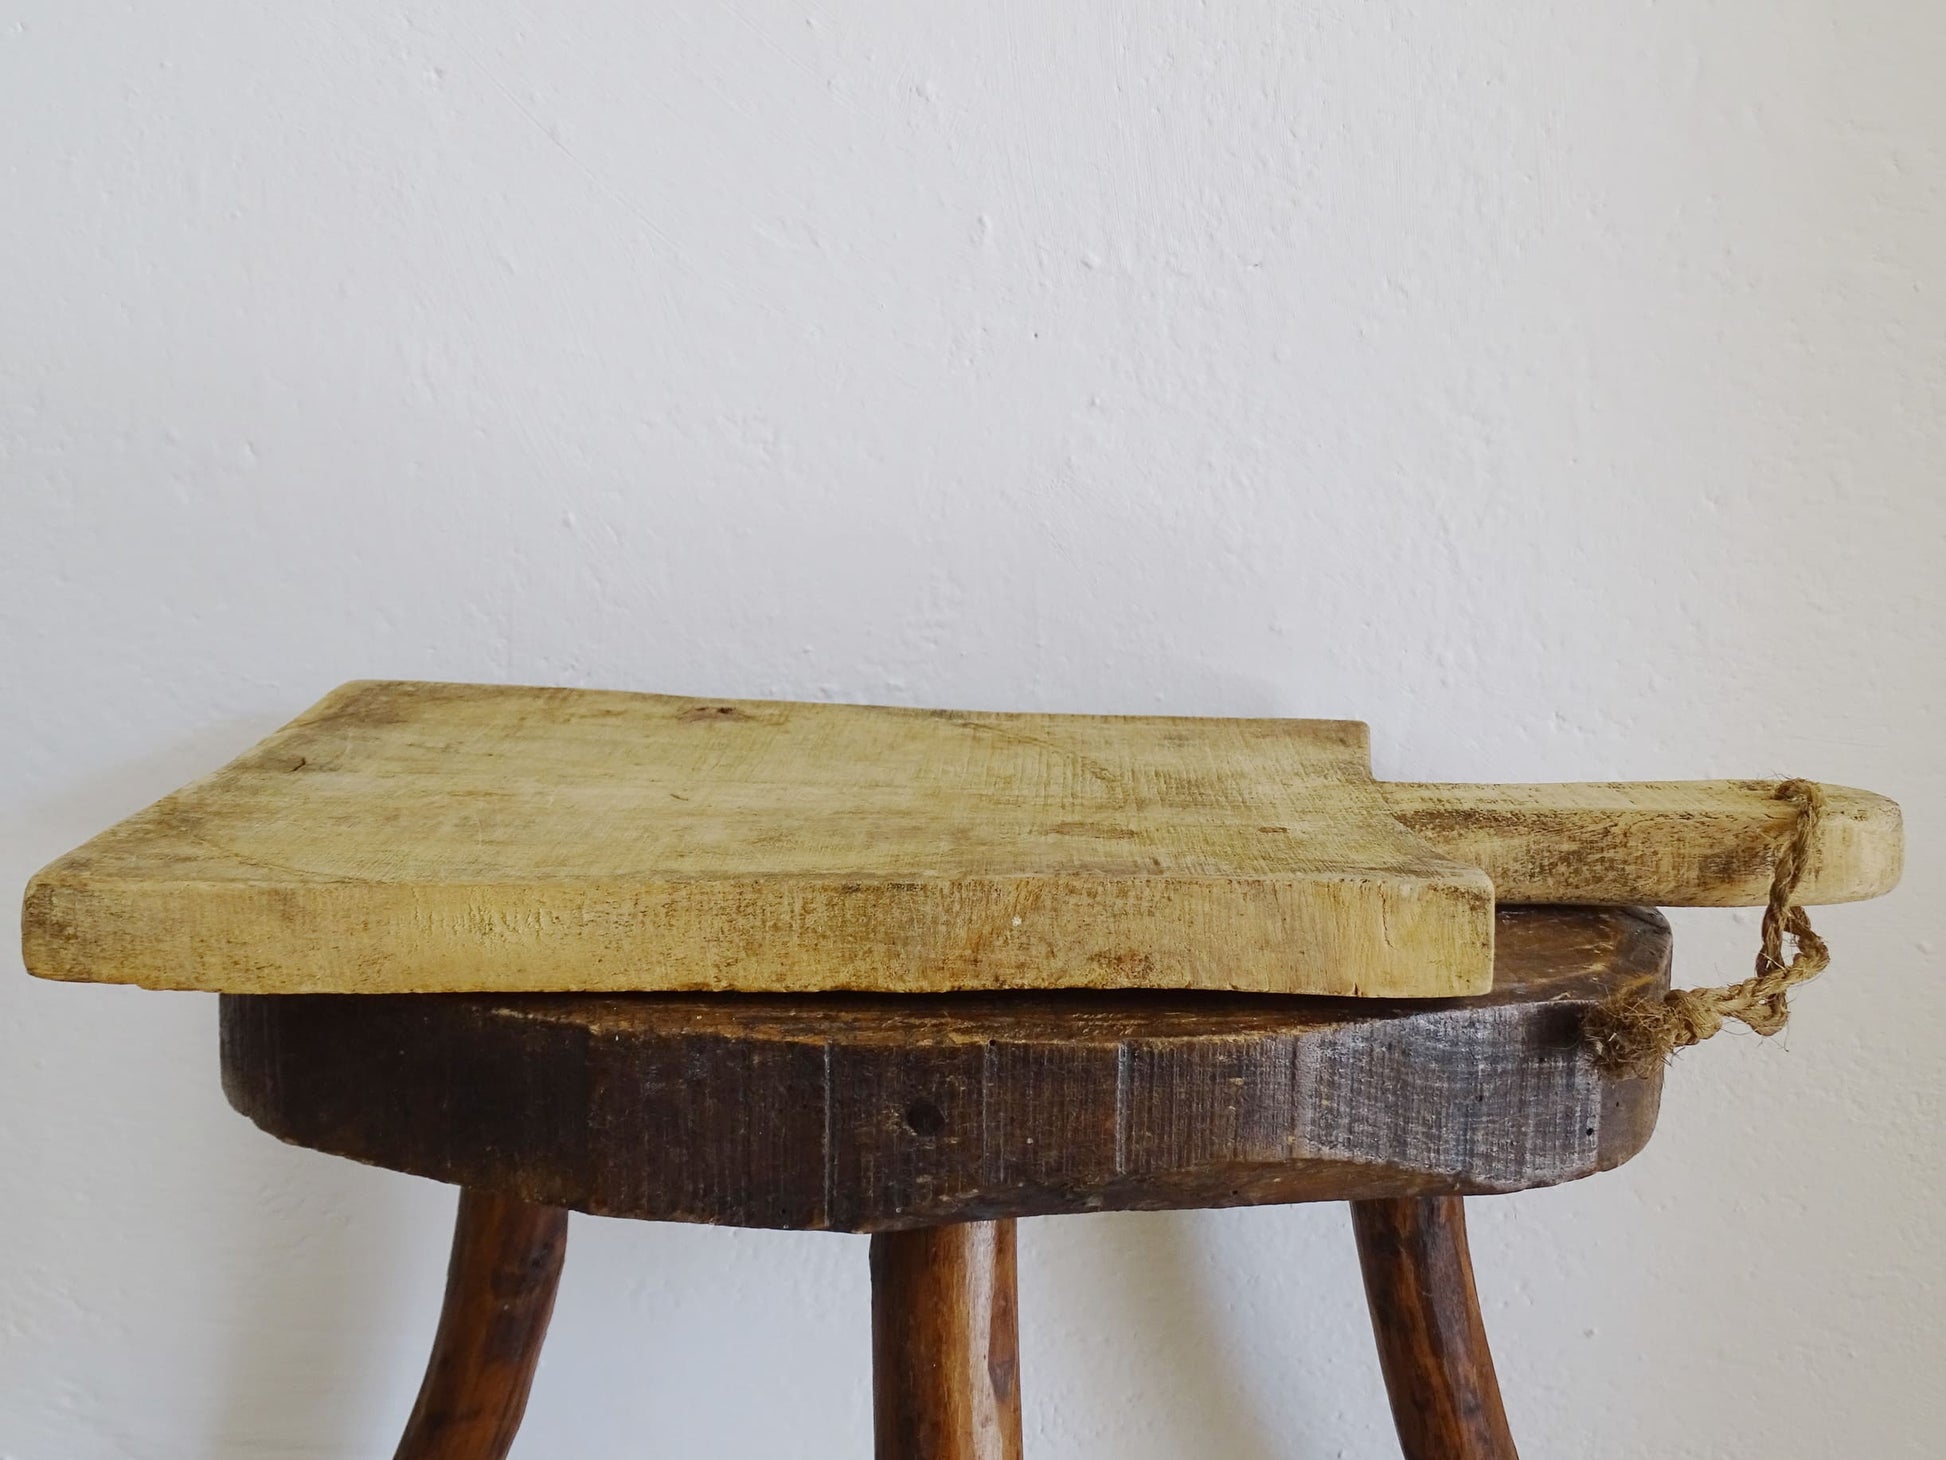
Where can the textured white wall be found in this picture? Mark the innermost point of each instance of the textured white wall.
(1558, 387)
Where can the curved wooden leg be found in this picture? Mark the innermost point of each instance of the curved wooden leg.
(499, 1295)
(945, 1344)
(1426, 1316)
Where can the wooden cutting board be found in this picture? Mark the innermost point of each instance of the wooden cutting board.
(409, 837)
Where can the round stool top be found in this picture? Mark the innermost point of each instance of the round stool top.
(872, 1112)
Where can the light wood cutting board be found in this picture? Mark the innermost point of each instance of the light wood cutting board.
(410, 837)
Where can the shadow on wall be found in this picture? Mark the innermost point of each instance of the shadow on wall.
(1137, 1280)
(329, 1317)
(295, 1285)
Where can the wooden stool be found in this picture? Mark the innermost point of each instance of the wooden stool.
(933, 1122)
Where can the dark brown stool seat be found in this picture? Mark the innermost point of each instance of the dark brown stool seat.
(934, 1121)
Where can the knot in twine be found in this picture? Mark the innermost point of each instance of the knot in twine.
(1636, 1036)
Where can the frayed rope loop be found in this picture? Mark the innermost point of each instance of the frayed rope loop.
(1636, 1036)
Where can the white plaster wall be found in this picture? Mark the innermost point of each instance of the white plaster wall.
(1558, 387)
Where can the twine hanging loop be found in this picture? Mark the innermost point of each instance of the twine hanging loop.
(1636, 1036)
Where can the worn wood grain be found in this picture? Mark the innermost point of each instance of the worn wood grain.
(1432, 1345)
(1664, 843)
(419, 837)
(946, 1343)
(864, 1113)
(407, 837)
(500, 1287)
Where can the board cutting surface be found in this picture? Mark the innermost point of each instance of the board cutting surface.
(414, 837)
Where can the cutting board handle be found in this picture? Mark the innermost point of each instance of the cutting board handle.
(1663, 843)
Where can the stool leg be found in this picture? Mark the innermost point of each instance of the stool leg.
(1426, 1316)
(945, 1344)
(499, 1295)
